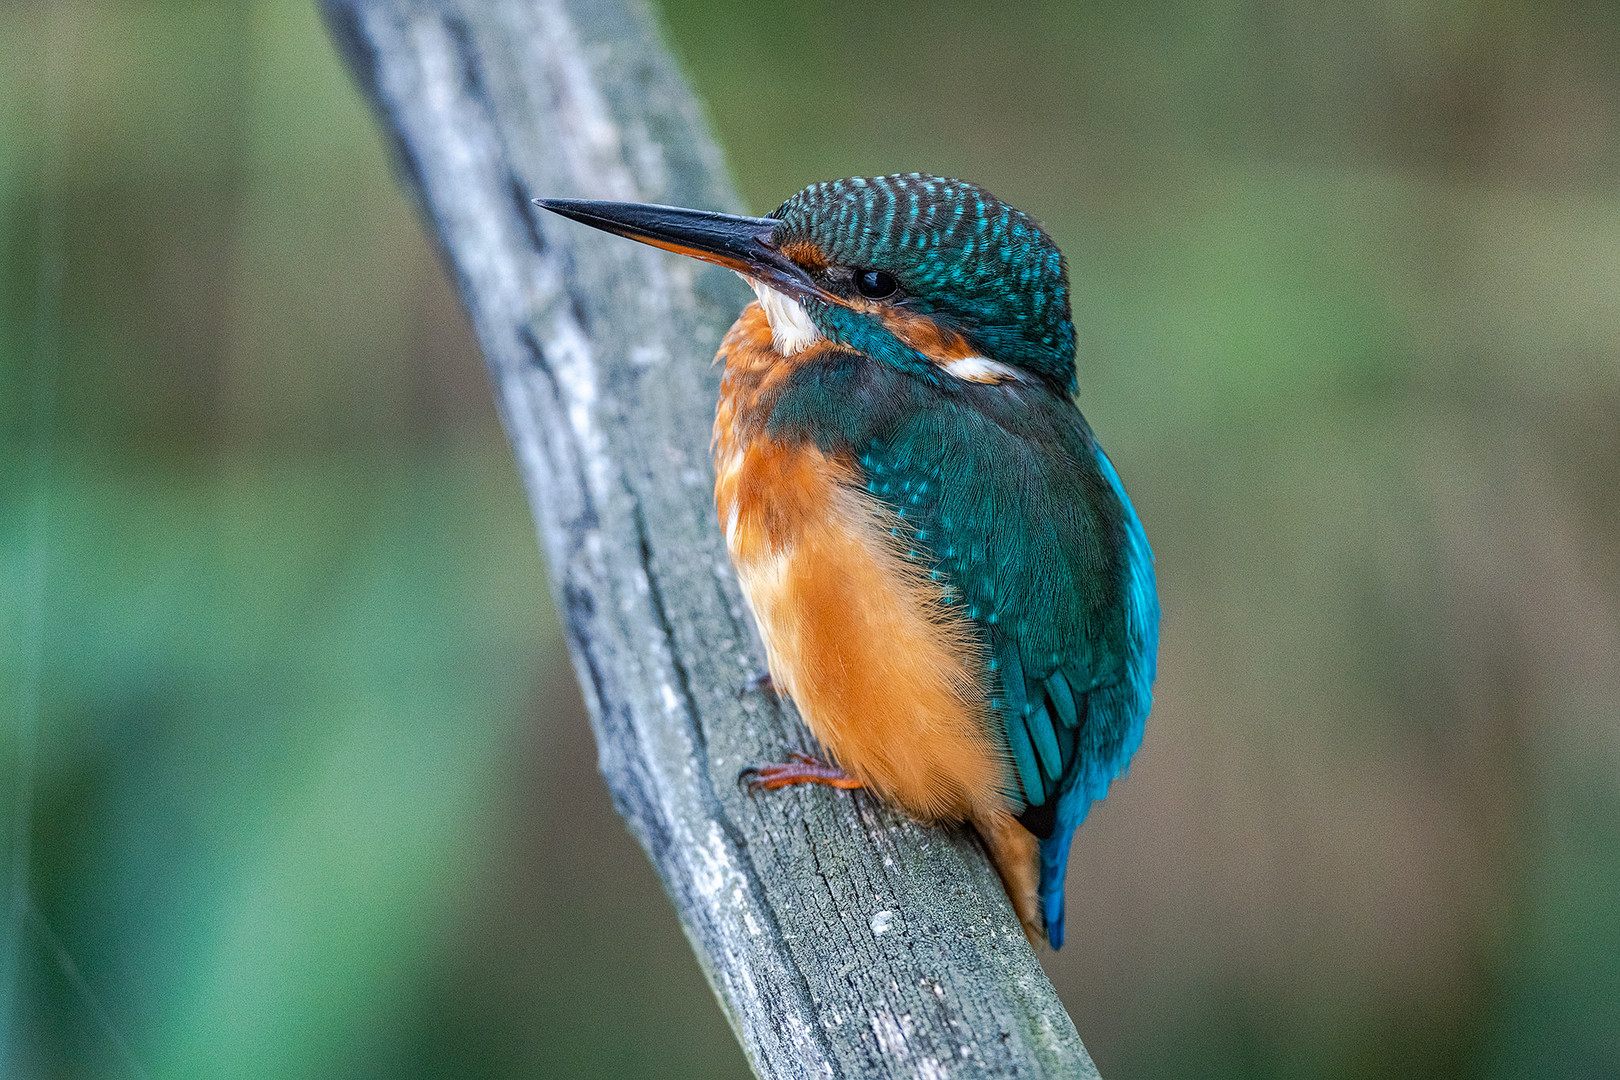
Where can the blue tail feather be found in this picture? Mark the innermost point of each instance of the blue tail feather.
(1111, 709)
(1054, 861)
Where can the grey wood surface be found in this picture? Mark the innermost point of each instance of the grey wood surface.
(841, 939)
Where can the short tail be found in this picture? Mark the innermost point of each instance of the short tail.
(1054, 864)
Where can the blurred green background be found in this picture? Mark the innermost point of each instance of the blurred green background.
(312, 791)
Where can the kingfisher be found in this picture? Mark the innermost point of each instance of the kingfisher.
(949, 579)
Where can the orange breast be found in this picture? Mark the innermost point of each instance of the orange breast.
(886, 678)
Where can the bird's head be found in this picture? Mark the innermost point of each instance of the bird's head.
(934, 276)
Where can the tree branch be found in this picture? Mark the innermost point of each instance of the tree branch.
(842, 939)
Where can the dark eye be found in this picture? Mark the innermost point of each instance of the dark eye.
(875, 284)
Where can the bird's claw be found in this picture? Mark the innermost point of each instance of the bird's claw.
(800, 768)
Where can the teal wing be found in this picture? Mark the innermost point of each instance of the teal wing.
(1024, 519)
(1012, 506)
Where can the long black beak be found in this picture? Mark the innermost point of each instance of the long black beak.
(738, 243)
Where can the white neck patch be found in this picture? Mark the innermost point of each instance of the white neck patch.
(981, 369)
(791, 328)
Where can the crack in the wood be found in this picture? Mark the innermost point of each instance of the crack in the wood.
(526, 211)
(666, 626)
(467, 52)
(576, 306)
(628, 783)
(473, 83)
(588, 519)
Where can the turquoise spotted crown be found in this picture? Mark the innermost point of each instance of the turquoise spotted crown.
(961, 256)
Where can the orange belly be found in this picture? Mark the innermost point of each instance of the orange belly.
(886, 678)
(888, 688)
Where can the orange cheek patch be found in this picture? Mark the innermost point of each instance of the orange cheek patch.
(944, 347)
(806, 255)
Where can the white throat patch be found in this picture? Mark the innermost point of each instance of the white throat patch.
(791, 328)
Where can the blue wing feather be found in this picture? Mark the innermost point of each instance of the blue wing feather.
(1044, 735)
(1062, 699)
(1024, 760)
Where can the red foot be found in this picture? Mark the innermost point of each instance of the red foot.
(799, 769)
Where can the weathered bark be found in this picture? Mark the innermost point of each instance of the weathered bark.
(841, 939)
